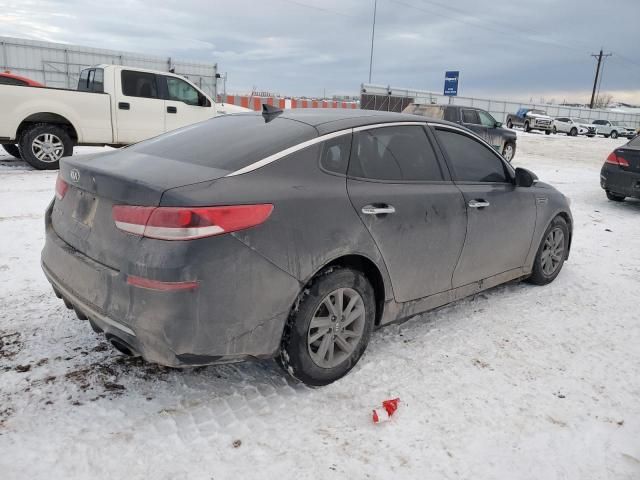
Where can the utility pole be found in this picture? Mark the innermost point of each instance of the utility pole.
(599, 56)
(373, 34)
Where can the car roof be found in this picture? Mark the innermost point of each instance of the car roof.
(29, 81)
(327, 120)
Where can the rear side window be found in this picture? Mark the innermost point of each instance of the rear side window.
(394, 154)
(470, 116)
(470, 160)
(335, 154)
(451, 114)
(139, 84)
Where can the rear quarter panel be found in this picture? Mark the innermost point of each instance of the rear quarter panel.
(89, 113)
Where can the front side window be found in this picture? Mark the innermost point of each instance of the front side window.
(470, 160)
(599, 122)
(181, 91)
(486, 119)
(139, 84)
(470, 116)
(394, 154)
(335, 154)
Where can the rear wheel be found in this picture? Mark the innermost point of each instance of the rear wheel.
(12, 150)
(330, 327)
(551, 253)
(43, 145)
(614, 197)
(614, 134)
(527, 127)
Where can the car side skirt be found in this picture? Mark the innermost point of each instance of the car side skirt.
(396, 312)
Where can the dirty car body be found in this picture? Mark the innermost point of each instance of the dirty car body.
(182, 291)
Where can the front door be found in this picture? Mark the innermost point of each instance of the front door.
(500, 216)
(471, 120)
(407, 201)
(185, 105)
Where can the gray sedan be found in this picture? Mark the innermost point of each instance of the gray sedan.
(292, 235)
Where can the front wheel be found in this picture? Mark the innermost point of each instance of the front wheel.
(509, 124)
(547, 132)
(555, 130)
(329, 329)
(509, 151)
(12, 150)
(551, 253)
(574, 132)
(43, 145)
(614, 134)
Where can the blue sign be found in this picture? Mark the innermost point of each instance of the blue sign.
(451, 83)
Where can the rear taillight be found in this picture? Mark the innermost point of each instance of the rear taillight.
(61, 188)
(188, 223)
(614, 159)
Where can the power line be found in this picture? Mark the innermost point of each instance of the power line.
(373, 33)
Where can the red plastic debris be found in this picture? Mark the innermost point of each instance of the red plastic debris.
(383, 414)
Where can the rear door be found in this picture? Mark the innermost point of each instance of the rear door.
(139, 108)
(184, 104)
(407, 201)
(562, 124)
(500, 216)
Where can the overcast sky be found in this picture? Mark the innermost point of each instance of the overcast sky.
(504, 48)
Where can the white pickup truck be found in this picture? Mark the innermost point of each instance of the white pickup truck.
(113, 105)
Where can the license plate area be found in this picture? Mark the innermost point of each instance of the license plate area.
(85, 208)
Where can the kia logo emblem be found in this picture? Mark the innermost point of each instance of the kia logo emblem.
(75, 175)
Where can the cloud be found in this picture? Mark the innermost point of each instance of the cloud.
(502, 48)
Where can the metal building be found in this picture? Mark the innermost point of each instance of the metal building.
(58, 65)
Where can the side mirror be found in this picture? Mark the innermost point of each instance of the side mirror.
(525, 178)
(498, 124)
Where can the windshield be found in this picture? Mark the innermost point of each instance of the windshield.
(538, 112)
(582, 120)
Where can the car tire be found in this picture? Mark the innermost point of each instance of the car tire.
(318, 359)
(615, 198)
(605, 136)
(509, 124)
(614, 134)
(547, 132)
(573, 132)
(42, 145)
(552, 253)
(12, 150)
(509, 151)
(526, 127)
(555, 130)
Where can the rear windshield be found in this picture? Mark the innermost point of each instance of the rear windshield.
(228, 142)
(635, 142)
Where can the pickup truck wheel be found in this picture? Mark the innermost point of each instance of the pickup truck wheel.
(509, 151)
(614, 134)
(574, 132)
(547, 132)
(509, 124)
(43, 145)
(527, 128)
(614, 197)
(12, 150)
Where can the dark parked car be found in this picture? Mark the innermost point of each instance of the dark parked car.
(292, 235)
(620, 174)
(475, 119)
(530, 119)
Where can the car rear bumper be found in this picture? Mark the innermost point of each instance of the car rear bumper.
(622, 182)
(231, 316)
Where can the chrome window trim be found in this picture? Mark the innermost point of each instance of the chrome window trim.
(288, 151)
(313, 141)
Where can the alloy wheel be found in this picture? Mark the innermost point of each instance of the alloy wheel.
(336, 327)
(47, 147)
(552, 251)
(508, 153)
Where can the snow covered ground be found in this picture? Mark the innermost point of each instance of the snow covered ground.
(520, 382)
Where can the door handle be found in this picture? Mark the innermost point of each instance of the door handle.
(478, 204)
(172, 109)
(381, 210)
(124, 106)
